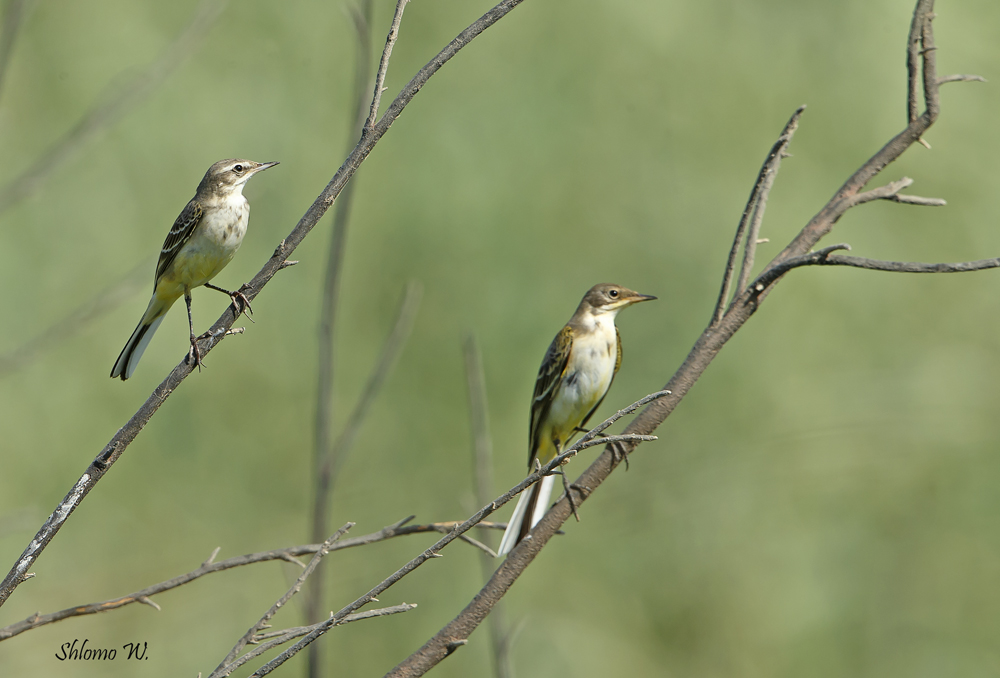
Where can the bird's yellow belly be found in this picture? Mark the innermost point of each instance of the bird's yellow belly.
(587, 379)
(208, 251)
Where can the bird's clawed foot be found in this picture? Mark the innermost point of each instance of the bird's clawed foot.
(194, 354)
(241, 304)
(569, 495)
(618, 453)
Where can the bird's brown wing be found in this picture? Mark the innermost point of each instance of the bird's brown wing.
(549, 375)
(179, 234)
(618, 363)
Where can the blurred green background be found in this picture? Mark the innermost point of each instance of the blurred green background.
(823, 503)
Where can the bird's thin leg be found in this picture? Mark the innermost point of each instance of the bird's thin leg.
(569, 495)
(195, 353)
(618, 452)
(241, 305)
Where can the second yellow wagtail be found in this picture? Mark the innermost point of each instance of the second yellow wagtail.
(574, 377)
(203, 239)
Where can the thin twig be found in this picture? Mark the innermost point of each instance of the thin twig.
(906, 266)
(960, 77)
(624, 438)
(880, 193)
(825, 257)
(916, 200)
(12, 20)
(262, 622)
(764, 183)
(772, 273)
(764, 180)
(383, 65)
(397, 529)
(913, 65)
(299, 631)
(127, 433)
(282, 637)
(111, 109)
(624, 412)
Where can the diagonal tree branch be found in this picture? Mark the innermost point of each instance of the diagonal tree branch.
(708, 345)
(124, 437)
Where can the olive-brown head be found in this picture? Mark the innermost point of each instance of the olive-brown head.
(609, 298)
(228, 176)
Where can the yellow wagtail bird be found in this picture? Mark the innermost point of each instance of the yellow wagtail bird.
(574, 377)
(203, 239)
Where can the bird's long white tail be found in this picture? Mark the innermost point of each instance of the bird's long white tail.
(512, 535)
(137, 343)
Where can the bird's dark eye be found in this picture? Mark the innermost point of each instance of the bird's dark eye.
(613, 294)
(238, 169)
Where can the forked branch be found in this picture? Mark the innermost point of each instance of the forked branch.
(920, 59)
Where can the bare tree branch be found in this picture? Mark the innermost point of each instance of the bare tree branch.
(764, 184)
(397, 529)
(110, 110)
(711, 341)
(761, 189)
(383, 65)
(121, 440)
(825, 258)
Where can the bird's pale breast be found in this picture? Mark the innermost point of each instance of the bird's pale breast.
(212, 245)
(587, 378)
